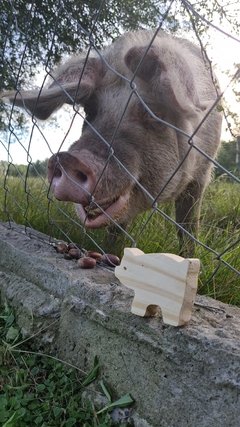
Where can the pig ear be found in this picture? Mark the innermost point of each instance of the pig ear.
(170, 78)
(71, 85)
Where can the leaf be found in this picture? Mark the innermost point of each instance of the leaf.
(3, 402)
(93, 373)
(105, 391)
(40, 387)
(71, 422)
(39, 420)
(57, 410)
(3, 411)
(9, 422)
(12, 334)
(35, 370)
(122, 402)
(9, 320)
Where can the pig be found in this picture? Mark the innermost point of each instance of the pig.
(148, 122)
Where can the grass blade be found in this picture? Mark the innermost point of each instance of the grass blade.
(105, 391)
(93, 374)
(120, 403)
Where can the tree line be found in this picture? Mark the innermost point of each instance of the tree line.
(227, 157)
(33, 169)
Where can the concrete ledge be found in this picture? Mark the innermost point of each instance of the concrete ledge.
(178, 376)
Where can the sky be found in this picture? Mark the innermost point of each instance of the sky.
(224, 53)
(32, 146)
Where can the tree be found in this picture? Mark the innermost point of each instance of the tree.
(38, 168)
(40, 32)
(227, 158)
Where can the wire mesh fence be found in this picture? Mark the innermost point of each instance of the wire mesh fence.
(99, 172)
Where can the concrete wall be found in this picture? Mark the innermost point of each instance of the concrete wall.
(179, 377)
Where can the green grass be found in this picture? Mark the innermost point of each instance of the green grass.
(39, 390)
(27, 203)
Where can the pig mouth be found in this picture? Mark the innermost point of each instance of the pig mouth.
(101, 214)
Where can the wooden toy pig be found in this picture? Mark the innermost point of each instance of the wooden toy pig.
(160, 280)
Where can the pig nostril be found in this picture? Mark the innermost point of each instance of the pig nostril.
(57, 172)
(81, 177)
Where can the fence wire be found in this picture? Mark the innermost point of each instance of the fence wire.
(27, 197)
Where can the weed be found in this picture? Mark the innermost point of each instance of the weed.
(37, 390)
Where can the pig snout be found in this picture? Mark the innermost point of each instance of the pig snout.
(74, 176)
(71, 179)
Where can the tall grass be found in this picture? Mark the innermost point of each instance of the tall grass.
(28, 202)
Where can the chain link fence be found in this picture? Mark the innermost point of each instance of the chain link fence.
(26, 195)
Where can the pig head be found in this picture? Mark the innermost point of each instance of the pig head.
(142, 104)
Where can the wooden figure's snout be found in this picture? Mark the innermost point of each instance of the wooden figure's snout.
(164, 280)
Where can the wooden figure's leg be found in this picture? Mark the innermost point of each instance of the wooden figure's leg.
(139, 306)
(190, 291)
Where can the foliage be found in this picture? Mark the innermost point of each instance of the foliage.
(227, 158)
(41, 32)
(224, 17)
(212, 11)
(38, 168)
(35, 32)
(34, 169)
(38, 390)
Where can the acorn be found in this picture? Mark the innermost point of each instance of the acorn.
(111, 260)
(86, 262)
(74, 253)
(61, 248)
(72, 246)
(96, 255)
